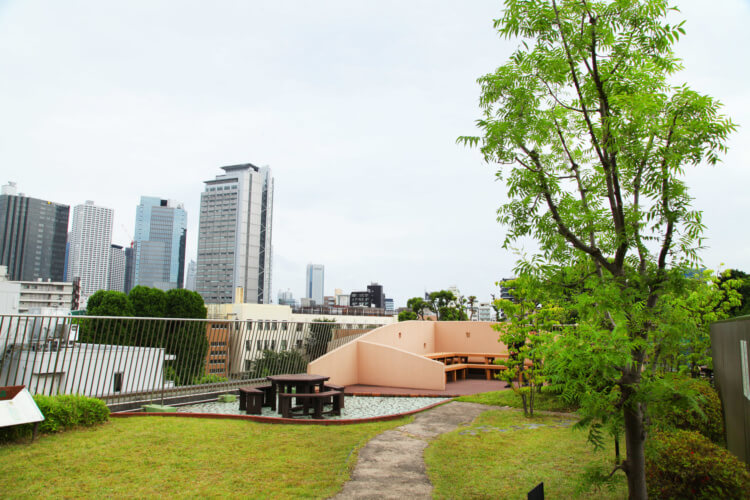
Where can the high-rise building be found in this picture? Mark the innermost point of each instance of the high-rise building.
(287, 298)
(159, 243)
(90, 245)
(129, 268)
(33, 234)
(234, 236)
(116, 278)
(190, 277)
(314, 283)
(377, 297)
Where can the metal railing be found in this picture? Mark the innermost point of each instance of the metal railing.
(130, 360)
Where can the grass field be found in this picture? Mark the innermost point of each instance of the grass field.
(493, 459)
(542, 401)
(184, 457)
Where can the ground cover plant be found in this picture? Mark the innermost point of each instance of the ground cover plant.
(500, 456)
(169, 457)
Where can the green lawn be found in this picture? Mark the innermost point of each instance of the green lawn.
(185, 457)
(480, 461)
(542, 401)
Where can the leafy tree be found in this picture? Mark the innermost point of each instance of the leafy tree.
(407, 316)
(321, 333)
(109, 303)
(743, 288)
(182, 303)
(592, 140)
(148, 302)
(275, 363)
(472, 300)
(418, 305)
(524, 334)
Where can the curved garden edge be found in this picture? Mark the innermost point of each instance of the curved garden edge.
(280, 420)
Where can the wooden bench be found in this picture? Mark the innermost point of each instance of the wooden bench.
(452, 371)
(487, 368)
(334, 387)
(251, 400)
(315, 400)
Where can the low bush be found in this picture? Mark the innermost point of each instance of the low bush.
(685, 464)
(61, 413)
(705, 417)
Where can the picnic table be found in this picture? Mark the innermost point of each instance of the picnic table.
(309, 392)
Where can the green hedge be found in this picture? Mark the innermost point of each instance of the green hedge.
(706, 417)
(685, 464)
(61, 413)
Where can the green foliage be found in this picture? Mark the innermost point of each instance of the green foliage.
(182, 303)
(148, 302)
(407, 316)
(524, 334)
(321, 333)
(545, 400)
(277, 363)
(109, 303)
(743, 288)
(211, 378)
(446, 306)
(61, 413)
(418, 305)
(693, 406)
(685, 464)
(592, 138)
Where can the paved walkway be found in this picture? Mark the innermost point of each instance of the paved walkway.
(392, 465)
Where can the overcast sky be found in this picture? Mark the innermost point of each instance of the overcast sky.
(354, 105)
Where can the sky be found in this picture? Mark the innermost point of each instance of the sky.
(354, 105)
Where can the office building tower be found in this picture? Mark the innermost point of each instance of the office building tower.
(377, 297)
(129, 268)
(159, 244)
(389, 307)
(190, 277)
(314, 283)
(234, 236)
(33, 234)
(286, 299)
(116, 278)
(90, 245)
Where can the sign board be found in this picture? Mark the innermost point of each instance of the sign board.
(18, 407)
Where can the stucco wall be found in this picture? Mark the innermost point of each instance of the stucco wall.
(412, 336)
(387, 366)
(451, 336)
(340, 365)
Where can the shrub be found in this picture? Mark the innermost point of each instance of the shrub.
(705, 417)
(685, 464)
(61, 413)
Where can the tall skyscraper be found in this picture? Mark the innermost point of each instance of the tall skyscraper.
(190, 278)
(116, 278)
(129, 267)
(90, 245)
(33, 234)
(234, 236)
(159, 247)
(314, 283)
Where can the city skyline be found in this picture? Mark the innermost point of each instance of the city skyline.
(355, 107)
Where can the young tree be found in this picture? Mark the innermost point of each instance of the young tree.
(592, 140)
(418, 305)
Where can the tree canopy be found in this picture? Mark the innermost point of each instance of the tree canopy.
(592, 139)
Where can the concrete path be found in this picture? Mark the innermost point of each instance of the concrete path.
(392, 466)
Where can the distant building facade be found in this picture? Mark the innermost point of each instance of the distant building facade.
(373, 297)
(314, 283)
(116, 279)
(129, 268)
(36, 297)
(234, 236)
(33, 234)
(190, 276)
(159, 243)
(286, 299)
(90, 246)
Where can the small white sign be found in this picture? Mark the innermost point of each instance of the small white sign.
(18, 407)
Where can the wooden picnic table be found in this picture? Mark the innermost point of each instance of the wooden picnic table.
(300, 383)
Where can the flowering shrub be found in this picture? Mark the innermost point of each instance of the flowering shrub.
(684, 464)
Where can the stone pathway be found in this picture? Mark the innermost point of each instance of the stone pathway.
(391, 465)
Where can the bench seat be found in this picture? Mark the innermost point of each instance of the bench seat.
(315, 400)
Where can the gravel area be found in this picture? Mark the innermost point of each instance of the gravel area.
(354, 407)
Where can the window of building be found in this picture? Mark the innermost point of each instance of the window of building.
(117, 382)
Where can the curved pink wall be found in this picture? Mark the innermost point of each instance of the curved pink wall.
(451, 336)
(390, 367)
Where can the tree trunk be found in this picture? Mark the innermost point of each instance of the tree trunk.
(635, 438)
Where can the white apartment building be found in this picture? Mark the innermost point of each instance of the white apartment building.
(34, 297)
(90, 247)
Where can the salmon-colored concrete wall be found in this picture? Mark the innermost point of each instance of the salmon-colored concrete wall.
(387, 366)
(451, 336)
(339, 364)
(415, 336)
